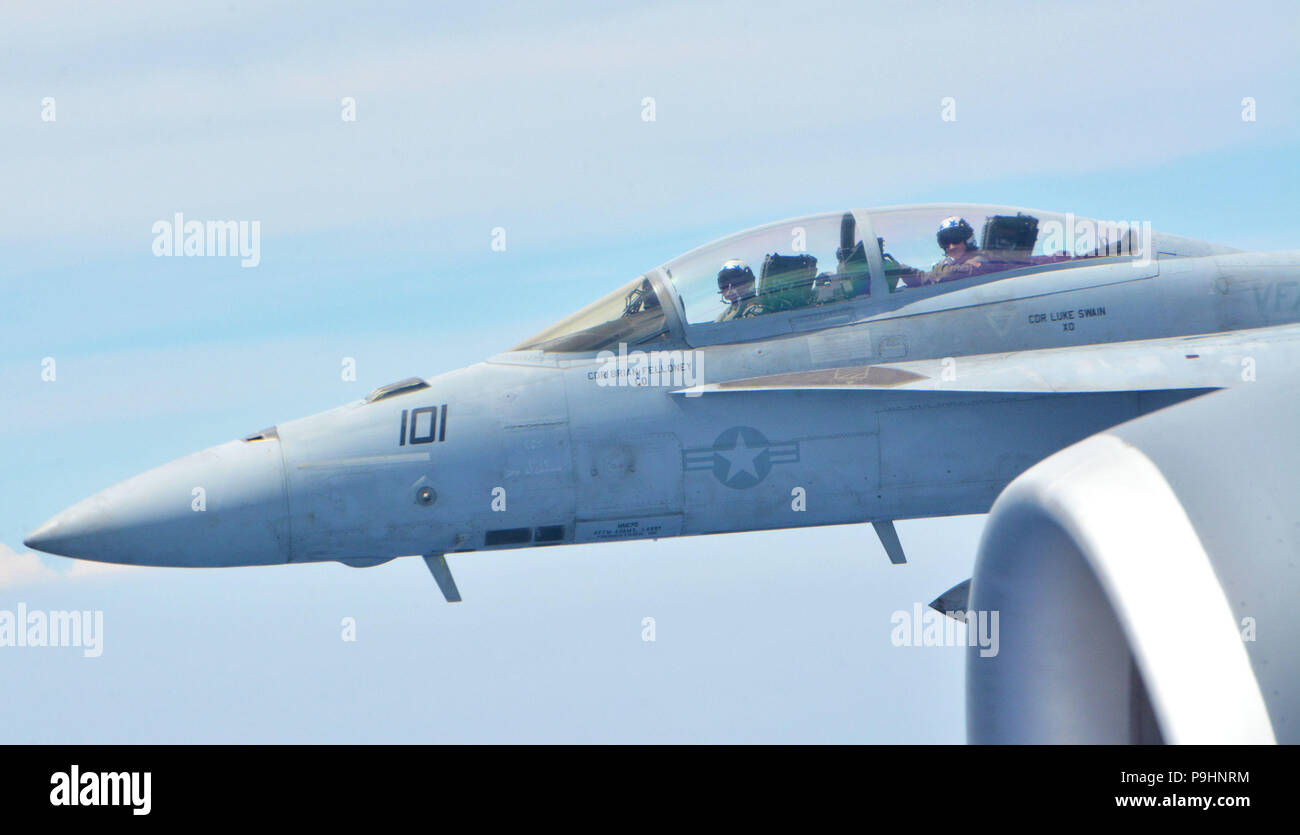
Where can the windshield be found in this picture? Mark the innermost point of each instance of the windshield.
(631, 315)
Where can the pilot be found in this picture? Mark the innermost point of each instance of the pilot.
(736, 285)
(957, 240)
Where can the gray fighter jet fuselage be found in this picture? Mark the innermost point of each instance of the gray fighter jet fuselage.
(866, 375)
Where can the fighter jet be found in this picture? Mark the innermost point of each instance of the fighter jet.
(855, 366)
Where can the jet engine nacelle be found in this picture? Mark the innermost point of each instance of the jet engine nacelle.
(1146, 580)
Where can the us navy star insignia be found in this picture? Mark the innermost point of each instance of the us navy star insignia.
(740, 457)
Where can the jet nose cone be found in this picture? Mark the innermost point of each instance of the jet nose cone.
(224, 506)
(44, 537)
(69, 530)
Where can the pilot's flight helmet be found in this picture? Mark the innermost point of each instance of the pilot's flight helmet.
(955, 230)
(733, 273)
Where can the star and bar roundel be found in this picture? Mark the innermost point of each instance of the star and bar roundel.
(740, 457)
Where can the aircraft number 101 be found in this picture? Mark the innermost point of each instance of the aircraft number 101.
(423, 426)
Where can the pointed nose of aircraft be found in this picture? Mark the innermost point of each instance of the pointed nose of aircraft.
(224, 506)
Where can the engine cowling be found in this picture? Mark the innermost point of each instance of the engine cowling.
(1145, 581)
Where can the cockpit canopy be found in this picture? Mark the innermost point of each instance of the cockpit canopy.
(837, 267)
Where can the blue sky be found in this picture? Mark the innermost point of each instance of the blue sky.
(375, 245)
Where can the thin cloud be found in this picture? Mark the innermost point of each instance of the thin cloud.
(28, 568)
